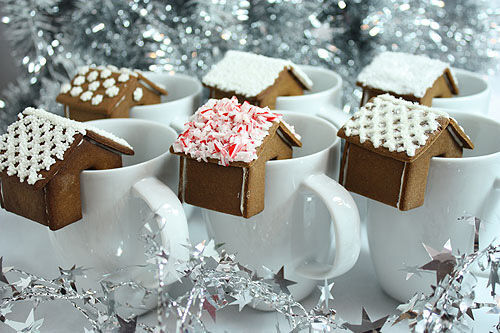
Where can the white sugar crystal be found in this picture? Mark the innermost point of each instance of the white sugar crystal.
(93, 86)
(112, 91)
(105, 73)
(249, 74)
(83, 70)
(65, 88)
(75, 91)
(124, 77)
(109, 82)
(396, 124)
(97, 99)
(86, 96)
(402, 73)
(138, 94)
(79, 80)
(93, 76)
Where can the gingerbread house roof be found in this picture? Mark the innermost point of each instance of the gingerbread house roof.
(405, 74)
(101, 88)
(250, 74)
(35, 147)
(399, 129)
(229, 133)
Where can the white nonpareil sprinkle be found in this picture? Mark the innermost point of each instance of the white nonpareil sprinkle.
(75, 91)
(97, 99)
(79, 80)
(396, 124)
(402, 73)
(124, 77)
(86, 96)
(108, 82)
(37, 140)
(112, 68)
(65, 88)
(83, 70)
(138, 94)
(93, 76)
(105, 73)
(249, 74)
(112, 91)
(93, 86)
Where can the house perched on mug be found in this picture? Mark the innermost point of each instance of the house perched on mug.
(224, 151)
(41, 157)
(98, 92)
(255, 78)
(415, 78)
(389, 146)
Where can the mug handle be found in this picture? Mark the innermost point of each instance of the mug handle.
(177, 125)
(491, 214)
(345, 218)
(163, 202)
(335, 116)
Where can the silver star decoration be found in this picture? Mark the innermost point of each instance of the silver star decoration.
(243, 299)
(73, 272)
(29, 326)
(23, 283)
(443, 263)
(170, 267)
(411, 270)
(326, 294)
(127, 326)
(407, 309)
(493, 279)
(367, 326)
(476, 223)
(279, 279)
(209, 307)
(6, 310)
(2, 272)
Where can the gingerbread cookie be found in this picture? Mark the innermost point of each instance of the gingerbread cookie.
(255, 78)
(98, 92)
(41, 157)
(389, 145)
(415, 78)
(224, 151)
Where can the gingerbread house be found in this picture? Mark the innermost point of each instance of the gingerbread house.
(415, 78)
(224, 151)
(98, 92)
(255, 78)
(41, 157)
(389, 145)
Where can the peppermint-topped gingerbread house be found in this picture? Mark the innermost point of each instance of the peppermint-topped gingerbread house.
(41, 157)
(224, 151)
(255, 78)
(389, 145)
(98, 92)
(415, 78)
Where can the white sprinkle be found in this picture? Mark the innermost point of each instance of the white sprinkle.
(96, 100)
(109, 82)
(79, 80)
(113, 68)
(112, 91)
(65, 88)
(94, 85)
(124, 77)
(93, 76)
(75, 91)
(83, 70)
(137, 94)
(105, 73)
(86, 96)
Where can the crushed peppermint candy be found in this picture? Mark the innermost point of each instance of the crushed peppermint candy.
(65, 88)
(112, 91)
(75, 91)
(37, 140)
(93, 86)
(108, 82)
(79, 80)
(86, 96)
(226, 131)
(93, 76)
(138, 94)
(97, 99)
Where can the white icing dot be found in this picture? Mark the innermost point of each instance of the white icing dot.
(93, 76)
(79, 80)
(108, 82)
(83, 70)
(75, 91)
(86, 96)
(113, 68)
(93, 86)
(138, 94)
(124, 77)
(96, 100)
(105, 73)
(112, 91)
(65, 88)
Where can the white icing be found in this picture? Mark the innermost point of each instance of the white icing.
(395, 124)
(83, 70)
(401, 185)
(112, 68)
(108, 82)
(97, 99)
(249, 74)
(124, 77)
(86, 96)
(37, 140)
(105, 73)
(112, 91)
(79, 80)
(137, 94)
(346, 165)
(75, 91)
(65, 88)
(93, 76)
(242, 193)
(402, 73)
(93, 86)
(109, 136)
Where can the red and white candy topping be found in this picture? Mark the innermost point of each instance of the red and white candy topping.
(226, 131)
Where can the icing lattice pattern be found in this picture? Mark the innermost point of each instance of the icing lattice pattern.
(37, 140)
(396, 124)
(249, 74)
(402, 73)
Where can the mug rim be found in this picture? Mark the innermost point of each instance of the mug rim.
(138, 165)
(463, 98)
(199, 89)
(314, 118)
(327, 71)
(468, 159)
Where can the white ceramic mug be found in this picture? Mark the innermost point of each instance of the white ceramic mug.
(455, 187)
(184, 97)
(474, 94)
(107, 238)
(295, 230)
